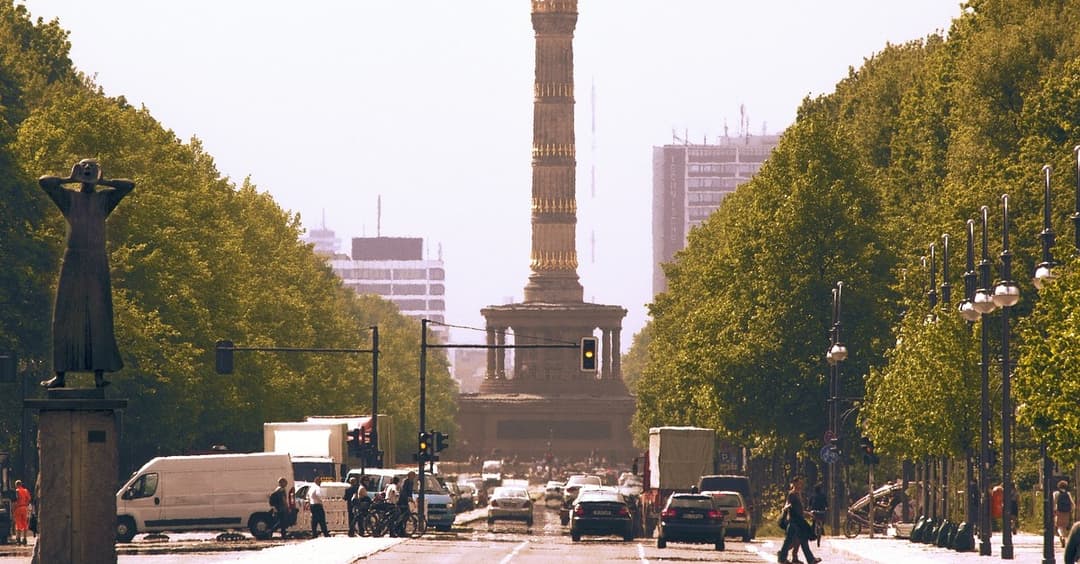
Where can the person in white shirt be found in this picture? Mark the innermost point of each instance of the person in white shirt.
(318, 513)
(391, 491)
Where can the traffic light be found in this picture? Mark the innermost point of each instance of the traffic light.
(424, 449)
(354, 442)
(223, 357)
(588, 354)
(7, 367)
(867, 446)
(442, 441)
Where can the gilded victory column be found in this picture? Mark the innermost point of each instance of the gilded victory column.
(544, 403)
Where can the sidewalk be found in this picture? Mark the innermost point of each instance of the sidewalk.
(1027, 549)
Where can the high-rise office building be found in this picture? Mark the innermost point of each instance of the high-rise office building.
(689, 183)
(394, 269)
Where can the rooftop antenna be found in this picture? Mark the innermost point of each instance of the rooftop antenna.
(592, 165)
(324, 218)
(378, 215)
(440, 252)
(592, 246)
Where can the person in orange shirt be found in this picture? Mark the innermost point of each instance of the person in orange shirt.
(22, 512)
(997, 496)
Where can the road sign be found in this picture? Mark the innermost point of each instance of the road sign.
(829, 436)
(830, 454)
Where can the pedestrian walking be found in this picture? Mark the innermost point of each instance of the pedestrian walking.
(318, 512)
(279, 502)
(351, 505)
(799, 530)
(1072, 545)
(1063, 510)
(22, 512)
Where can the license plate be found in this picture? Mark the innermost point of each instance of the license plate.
(601, 512)
(692, 516)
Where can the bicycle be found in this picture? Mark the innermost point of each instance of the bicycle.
(386, 518)
(818, 522)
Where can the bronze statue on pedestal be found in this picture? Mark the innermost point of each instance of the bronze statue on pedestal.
(82, 325)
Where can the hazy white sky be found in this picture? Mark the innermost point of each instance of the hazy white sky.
(329, 104)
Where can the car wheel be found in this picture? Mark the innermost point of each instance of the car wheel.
(719, 544)
(565, 521)
(529, 523)
(125, 529)
(490, 521)
(575, 536)
(261, 526)
(746, 536)
(661, 542)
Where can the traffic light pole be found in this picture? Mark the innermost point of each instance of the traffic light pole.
(424, 346)
(420, 507)
(224, 365)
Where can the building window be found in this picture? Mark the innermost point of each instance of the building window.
(410, 289)
(377, 289)
(370, 273)
(410, 305)
(436, 290)
(436, 305)
(436, 274)
(410, 273)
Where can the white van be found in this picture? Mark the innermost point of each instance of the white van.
(211, 492)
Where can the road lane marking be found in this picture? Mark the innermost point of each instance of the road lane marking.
(514, 552)
(641, 553)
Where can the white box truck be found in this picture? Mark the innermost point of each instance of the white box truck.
(318, 449)
(213, 492)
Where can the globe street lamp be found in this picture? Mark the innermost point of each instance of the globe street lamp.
(836, 354)
(982, 303)
(1044, 274)
(1006, 295)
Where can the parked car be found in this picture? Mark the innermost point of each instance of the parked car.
(510, 503)
(736, 517)
(692, 518)
(601, 512)
(733, 483)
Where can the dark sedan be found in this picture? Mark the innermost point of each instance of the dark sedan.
(601, 512)
(692, 518)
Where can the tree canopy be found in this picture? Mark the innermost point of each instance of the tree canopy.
(909, 146)
(195, 257)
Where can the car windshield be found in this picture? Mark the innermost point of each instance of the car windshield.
(727, 500)
(691, 501)
(492, 467)
(510, 492)
(601, 496)
(581, 480)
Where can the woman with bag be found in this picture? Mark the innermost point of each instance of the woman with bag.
(799, 530)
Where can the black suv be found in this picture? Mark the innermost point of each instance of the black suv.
(734, 483)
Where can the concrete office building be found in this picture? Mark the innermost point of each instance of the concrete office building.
(394, 269)
(689, 183)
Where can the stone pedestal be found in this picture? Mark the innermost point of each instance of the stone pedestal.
(76, 492)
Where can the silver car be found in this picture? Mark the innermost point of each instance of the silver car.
(508, 503)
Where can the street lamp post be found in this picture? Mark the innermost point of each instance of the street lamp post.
(1044, 274)
(1006, 295)
(835, 355)
(983, 304)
